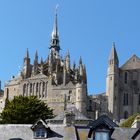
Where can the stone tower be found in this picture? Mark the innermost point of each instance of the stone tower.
(81, 93)
(112, 84)
(26, 66)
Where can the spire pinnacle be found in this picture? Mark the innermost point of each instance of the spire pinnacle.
(68, 54)
(55, 27)
(36, 54)
(80, 61)
(27, 53)
(113, 54)
(41, 61)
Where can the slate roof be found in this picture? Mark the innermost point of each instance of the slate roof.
(104, 119)
(123, 133)
(78, 116)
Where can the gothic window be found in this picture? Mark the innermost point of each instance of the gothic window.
(69, 96)
(111, 62)
(24, 89)
(31, 88)
(125, 115)
(40, 89)
(7, 96)
(125, 99)
(27, 89)
(134, 82)
(125, 77)
(43, 87)
(46, 90)
(139, 100)
(36, 87)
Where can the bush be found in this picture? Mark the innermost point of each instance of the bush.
(128, 122)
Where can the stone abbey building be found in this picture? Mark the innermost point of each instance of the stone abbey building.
(64, 87)
(52, 80)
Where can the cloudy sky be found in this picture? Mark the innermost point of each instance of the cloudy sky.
(86, 27)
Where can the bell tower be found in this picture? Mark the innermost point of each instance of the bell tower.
(112, 86)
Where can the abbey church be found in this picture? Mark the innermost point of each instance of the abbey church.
(63, 86)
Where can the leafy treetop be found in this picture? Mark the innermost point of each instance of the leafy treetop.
(25, 110)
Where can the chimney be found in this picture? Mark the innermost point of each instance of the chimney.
(69, 119)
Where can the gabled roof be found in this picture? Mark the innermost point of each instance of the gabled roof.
(132, 63)
(39, 121)
(104, 119)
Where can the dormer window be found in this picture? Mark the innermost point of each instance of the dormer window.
(40, 133)
(102, 128)
(40, 130)
(100, 135)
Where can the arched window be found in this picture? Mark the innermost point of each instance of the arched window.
(40, 90)
(31, 88)
(36, 87)
(7, 93)
(43, 87)
(24, 89)
(125, 77)
(125, 114)
(139, 99)
(125, 99)
(90, 105)
(46, 89)
(27, 90)
(69, 95)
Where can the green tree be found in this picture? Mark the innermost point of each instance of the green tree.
(128, 122)
(25, 110)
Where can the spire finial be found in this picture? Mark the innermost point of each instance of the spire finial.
(56, 8)
(55, 28)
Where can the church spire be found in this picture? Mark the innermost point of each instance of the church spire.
(36, 56)
(113, 55)
(55, 36)
(26, 67)
(55, 28)
(27, 53)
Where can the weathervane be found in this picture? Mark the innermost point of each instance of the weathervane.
(56, 8)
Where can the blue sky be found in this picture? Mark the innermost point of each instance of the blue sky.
(86, 27)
